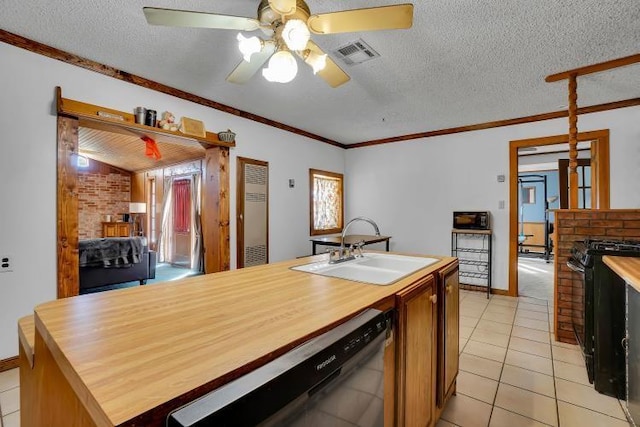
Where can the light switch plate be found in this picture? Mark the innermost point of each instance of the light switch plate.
(501, 178)
(500, 204)
(292, 183)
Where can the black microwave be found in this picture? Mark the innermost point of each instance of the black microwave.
(471, 220)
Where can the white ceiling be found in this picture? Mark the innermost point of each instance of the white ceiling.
(463, 62)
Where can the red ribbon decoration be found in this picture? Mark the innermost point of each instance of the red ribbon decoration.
(152, 150)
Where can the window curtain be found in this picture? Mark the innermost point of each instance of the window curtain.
(166, 229)
(182, 205)
(197, 252)
(326, 193)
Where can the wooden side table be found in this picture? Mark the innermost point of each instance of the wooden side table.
(116, 229)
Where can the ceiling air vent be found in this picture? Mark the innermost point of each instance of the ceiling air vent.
(356, 52)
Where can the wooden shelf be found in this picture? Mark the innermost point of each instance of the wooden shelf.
(470, 231)
(90, 116)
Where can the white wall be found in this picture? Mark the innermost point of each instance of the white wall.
(28, 172)
(411, 188)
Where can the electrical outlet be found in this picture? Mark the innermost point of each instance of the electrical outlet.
(6, 264)
(501, 178)
(500, 204)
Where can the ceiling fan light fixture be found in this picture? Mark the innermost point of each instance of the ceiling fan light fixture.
(296, 34)
(282, 67)
(315, 61)
(249, 46)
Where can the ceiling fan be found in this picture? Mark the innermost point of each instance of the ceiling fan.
(287, 24)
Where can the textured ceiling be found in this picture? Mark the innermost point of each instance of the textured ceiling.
(463, 62)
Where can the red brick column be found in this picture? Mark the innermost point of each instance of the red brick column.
(572, 225)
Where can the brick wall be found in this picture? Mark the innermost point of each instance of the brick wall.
(572, 225)
(101, 191)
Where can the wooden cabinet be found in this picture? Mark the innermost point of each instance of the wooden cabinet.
(415, 354)
(448, 332)
(116, 229)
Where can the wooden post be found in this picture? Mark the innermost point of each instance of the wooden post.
(67, 212)
(215, 210)
(573, 141)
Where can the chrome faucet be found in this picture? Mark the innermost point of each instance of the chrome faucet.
(344, 254)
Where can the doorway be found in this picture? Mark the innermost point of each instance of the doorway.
(252, 212)
(181, 215)
(211, 192)
(180, 233)
(599, 182)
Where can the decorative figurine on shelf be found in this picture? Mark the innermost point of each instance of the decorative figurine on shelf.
(168, 122)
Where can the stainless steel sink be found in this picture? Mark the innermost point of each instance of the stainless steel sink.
(374, 268)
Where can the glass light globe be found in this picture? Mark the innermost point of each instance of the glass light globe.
(248, 46)
(316, 62)
(282, 67)
(296, 34)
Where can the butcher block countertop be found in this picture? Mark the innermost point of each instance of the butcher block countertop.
(626, 267)
(128, 351)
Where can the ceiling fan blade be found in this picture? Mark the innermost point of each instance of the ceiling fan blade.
(332, 73)
(283, 7)
(186, 18)
(370, 19)
(245, 70)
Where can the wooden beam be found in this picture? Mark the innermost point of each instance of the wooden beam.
(500, 123)
(595, 68)
(69, 58)
(573, 142)
(215, 210)
(51, 52)
(67, 210)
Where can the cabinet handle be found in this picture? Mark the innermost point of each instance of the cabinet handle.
(434, 298)
(449, 289)
(625, 343)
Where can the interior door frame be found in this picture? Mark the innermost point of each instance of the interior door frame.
(240, 163)
(599, 152)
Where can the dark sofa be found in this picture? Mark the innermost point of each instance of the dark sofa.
(115, 260)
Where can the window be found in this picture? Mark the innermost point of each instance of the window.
(182, 206)
(326, 202)
(529, 195)
(82, 161)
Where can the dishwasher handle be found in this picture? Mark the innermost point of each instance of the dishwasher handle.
(325, 382)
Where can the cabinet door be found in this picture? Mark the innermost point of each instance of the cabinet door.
(450, 318)
(109, 229)
(124, 229)
(416, 356)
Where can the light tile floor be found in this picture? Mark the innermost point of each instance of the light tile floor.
(512, 372)
(535, 277)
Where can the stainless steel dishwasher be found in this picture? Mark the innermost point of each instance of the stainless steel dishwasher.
(335, 379)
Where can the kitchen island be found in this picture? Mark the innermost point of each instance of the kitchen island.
(128, 357)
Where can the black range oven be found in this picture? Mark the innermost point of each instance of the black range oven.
(598, 315)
